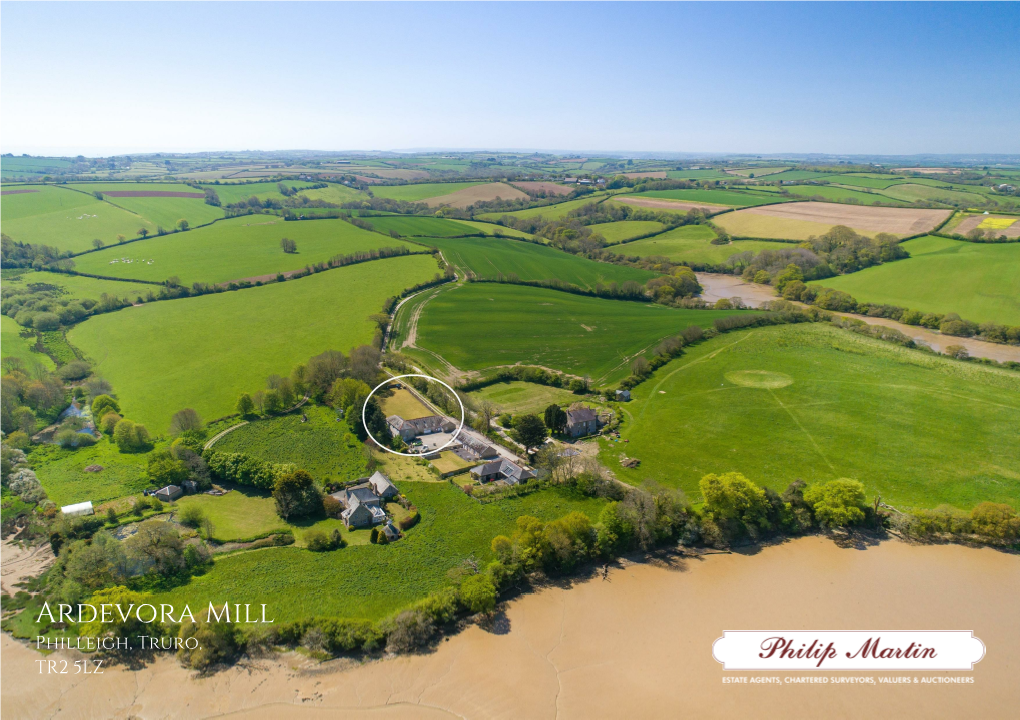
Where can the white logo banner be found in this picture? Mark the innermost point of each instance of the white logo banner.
(848, 650)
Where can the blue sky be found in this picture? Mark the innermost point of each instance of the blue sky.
(896, 78)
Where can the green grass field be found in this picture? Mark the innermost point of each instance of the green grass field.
(909, 192)
(486, 257)
(874, 181)
(372, 581)
(13, 345)
(161, 211)
(483, 325)
(234, 249)
(202, 352)
(917, 429)
(238, 192)
(979, 281)
(63, 477)
(549, 212)
(521, 397)
(404, 404)
(697, 175)
(335, 193)
(488, 228)
(413, 226)
(419, 191)
(788, 175)
(79, 286)
(836, 194)
(691, 243)
(616, 232)
(66, 219)
(732, 198)
(327, 449)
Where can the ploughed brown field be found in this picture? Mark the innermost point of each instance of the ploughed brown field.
(547, 187)
(898, 221)
(477, 193)
(151, 193)
(664, 204)
(969, 223)
(655, 174)
(20, 191)
(929, 170)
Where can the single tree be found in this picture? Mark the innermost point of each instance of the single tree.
(296, 495)
(245, 406)
(143, 232)
(183, 224)
(555, 418)
(183, 420)
(97, 243)
(529, 431)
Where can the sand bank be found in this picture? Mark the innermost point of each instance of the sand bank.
(636, 645)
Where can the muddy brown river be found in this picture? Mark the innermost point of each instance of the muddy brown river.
(638, 644)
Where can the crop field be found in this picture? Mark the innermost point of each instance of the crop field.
(909, 192)
(483, 325)
(1008, 225)
(477, 193)
(616, 232)
(413, 226)
(202, 352)
(372, 581)
(13, 345)
(487, 257)
(798, 221)
(237, 192)
(980, 282)
(420, 191)
(79, 286)
(549, 212)
(837, 194)
(817, 403)
(404, 404)
(692, 243)
(520, 397)
(66, 219)
(234, 249)
(549, 188)
(324, 447)
(63, 476)
(729, 198)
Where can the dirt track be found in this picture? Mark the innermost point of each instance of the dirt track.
(899, 221)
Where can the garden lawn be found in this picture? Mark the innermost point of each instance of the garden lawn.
(419, 191)
(79, 286)
(327, 449)
(916, 429)
(372, 581)
(66, 219)
(979, 281)
(489, 257)
(202, 352)
(482, 325)
(13, 345)
(732, 198)
(519, 398)
(63, 477)
(234, 249)
(404, 404)
(692, 243)
(616, 232)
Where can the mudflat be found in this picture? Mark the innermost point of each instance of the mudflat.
(638, 644)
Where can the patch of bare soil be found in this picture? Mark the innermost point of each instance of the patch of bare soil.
(929, 171)
(548, 188)
(664, 204)
(971, 222)
(20, 563)
(19, 191)
(899, 221)
(716, 287)
(477, 193)
(151, 193)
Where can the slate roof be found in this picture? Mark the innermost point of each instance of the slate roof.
(580, 415)
(509, 471)
(381, 484)
(432, 423)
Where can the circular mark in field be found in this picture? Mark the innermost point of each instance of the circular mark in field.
(413, 375)
(759, 379)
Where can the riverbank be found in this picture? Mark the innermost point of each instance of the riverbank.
(638, 643)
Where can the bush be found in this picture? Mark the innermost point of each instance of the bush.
(109, 422)
(296, 495)
(45, 321)
(317, 541)
(103, 404)
(69, 439)
(996, 520)
(837, 503)
(478, 594)
(409, 631)
(406, 523)
(735, 504)
(130, 437)
(216, 644)
(18, 439)
(76, 370)
(331, 506)
(191, 515)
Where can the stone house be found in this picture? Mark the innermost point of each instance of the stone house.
(581, 422)
(501, 469)
(410, 429)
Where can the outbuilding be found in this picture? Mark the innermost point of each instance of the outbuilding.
(82, 508)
